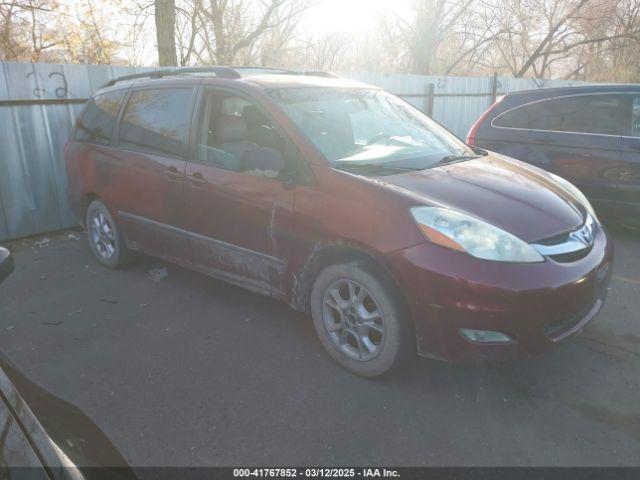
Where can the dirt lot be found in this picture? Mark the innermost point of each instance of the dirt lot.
(186, 370)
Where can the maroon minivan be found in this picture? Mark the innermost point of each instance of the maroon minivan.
(343, 201)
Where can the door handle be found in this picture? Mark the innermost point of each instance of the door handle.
(197, 178)
(172, 174)
(289, 178)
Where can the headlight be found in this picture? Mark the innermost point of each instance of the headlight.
(575, 193)
(464, 233)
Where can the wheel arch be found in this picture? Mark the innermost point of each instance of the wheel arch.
(85, 201)
(324, 255)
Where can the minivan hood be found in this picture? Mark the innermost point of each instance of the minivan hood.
(507, 193)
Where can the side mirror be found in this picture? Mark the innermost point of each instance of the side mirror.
(6, 263)
(267, 160)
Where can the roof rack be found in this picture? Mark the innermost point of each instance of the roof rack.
(272, 70)
(284, 71)
(222, 72)
(319, 73)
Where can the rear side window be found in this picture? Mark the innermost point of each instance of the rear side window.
(600, 114)
(99, 118)
(157, 120)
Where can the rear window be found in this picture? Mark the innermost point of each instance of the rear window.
(157, 120)
(600, 114)
(98, 119)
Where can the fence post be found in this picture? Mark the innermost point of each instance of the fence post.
(494, 88)
(428, 102)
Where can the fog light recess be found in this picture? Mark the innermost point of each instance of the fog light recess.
(486, 336)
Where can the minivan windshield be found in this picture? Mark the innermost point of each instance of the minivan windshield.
(353, 127)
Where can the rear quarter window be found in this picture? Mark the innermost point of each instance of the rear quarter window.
(98, 119)
(157, 120)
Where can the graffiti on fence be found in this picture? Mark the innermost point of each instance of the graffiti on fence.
(39, 91)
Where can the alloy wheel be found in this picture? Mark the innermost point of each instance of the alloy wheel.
(102, 235)
(353, 319)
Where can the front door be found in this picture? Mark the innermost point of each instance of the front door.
(238, 213)
(583, 145)
(150, 154)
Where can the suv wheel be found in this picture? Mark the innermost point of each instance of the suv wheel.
(360, 321)
(104, 238)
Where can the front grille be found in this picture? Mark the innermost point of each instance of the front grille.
(569, 246)
(555, 240)
(571, 256)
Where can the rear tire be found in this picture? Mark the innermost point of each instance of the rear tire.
(360, 320)
(104, 237)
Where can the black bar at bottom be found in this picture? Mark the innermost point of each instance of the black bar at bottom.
(403, 473)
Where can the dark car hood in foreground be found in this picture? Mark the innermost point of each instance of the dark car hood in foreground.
(520, 199)
(49, 436)
(6, 263)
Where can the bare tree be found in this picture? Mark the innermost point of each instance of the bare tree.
(555, 35)
(232, 26)
(165, 17)
(88, 34)
(540, 38)
(188, 28)
(56, 31)
(442, 36)
(578, 39)
(277, 46)
(26, 35)
(223, 31)
(617, 57)
(434, 21)
(323, 53)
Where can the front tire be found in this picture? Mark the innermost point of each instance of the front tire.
(360, 321)
(104, 237)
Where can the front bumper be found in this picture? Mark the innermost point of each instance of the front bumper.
(536, 304)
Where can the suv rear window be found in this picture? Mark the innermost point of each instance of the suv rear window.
(157, 120)
(99, 118)
(600, 114)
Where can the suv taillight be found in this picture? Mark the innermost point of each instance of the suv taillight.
(471, 136)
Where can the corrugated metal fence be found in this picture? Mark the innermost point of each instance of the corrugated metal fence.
(39, 104)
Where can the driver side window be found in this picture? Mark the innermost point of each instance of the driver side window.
(236, 135)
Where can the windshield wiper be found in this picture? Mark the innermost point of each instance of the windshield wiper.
(375, 167)
(455, 158)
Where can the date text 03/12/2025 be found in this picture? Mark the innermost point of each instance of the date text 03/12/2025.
(316, 473)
